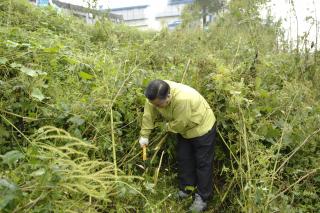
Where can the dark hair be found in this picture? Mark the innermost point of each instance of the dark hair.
(157, 89)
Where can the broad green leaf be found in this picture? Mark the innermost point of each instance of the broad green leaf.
(3, 60)
(76, 120)
(39, 172)
(15, 65)
(12, 44)
(51, 50)
(8, 193)
(32, 72)
(8, 185)
(70, 60)
(12, 157)
(3, 132)
(36, 93)
(85, 75)
(29, 71)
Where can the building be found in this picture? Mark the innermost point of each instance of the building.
(171, 15)
(88, 14)
(149, 14)
(133, 15)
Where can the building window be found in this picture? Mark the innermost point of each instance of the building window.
(131, 13)
(180, 1)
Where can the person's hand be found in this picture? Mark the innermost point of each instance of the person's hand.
(143, 141)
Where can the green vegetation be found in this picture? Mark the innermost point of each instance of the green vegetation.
(71, 100)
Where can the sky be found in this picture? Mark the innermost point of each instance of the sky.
(282, 9)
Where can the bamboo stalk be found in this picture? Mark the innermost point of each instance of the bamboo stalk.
(156, 175)
(158, 147)
(113, 144)
(232, 154)
(185, 70)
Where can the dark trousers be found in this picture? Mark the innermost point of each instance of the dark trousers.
(195, 158)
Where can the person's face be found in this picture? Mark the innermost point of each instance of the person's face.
(161, 103)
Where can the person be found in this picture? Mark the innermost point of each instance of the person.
(189, 116)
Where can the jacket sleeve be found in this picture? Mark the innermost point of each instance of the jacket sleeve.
(149, 116)
(182, 115)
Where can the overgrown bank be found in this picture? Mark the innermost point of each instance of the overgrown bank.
(72, 97)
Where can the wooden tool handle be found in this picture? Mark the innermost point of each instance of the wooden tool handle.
(144, 153)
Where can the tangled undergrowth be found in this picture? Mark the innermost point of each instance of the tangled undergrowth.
(71, 100)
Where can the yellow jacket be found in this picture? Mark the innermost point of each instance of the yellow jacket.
(188, 113)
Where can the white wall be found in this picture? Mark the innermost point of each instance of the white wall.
(155, 7)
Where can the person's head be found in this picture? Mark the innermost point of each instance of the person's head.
(158, 93)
